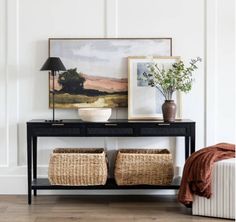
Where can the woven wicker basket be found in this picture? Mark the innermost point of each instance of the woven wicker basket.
(143, 167)
(78, 167)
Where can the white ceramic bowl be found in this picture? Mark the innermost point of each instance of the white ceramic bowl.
(94, 114)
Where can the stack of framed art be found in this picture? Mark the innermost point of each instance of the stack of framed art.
(107, 73)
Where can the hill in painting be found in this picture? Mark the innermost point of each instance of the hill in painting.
(75, 89)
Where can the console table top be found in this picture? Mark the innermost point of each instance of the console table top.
(113, 121)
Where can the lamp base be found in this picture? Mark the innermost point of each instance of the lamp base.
(53, 121)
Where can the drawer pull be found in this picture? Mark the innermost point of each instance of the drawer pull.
(57, 124)
(110, 124)
(163, 124)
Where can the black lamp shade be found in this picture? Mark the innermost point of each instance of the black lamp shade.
(53, 64)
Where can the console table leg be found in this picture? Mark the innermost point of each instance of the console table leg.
(29, 166)
(186, 147)
(193, 143)
(35, 161)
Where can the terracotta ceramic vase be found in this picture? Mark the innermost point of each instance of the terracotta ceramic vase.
(169, 111)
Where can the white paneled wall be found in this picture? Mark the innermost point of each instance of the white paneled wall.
(3, 83)
(220, 71)
(202, 28)
(226, 75)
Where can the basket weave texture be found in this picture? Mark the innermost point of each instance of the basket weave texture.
(144, 167)
(78, 167)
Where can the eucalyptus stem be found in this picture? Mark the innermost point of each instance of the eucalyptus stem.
(167, 81)
(161, 92)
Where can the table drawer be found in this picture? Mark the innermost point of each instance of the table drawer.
(57, 131)
(162, 131)
(109, 131)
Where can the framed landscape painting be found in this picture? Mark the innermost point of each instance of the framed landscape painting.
(97, 69)
(145, 102)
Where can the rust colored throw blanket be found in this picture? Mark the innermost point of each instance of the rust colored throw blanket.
(197, 171)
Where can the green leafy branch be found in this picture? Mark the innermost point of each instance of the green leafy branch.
(167, 81)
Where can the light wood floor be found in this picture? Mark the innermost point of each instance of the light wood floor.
(96, 209)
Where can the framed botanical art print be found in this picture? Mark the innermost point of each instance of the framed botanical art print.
(97, 69)
(145, 102)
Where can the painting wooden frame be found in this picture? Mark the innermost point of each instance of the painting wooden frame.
(102, 63)
(144, 102)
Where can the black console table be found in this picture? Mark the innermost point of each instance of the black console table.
(112, 128)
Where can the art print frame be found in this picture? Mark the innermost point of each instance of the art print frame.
(119, 84)
(143, 103)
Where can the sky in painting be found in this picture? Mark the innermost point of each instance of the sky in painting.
(106, 58)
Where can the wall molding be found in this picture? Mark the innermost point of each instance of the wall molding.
(211, 82)
(111, 18)
(12, 66)
(3, 84)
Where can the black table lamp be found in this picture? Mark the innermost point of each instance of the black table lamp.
(53, 64)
